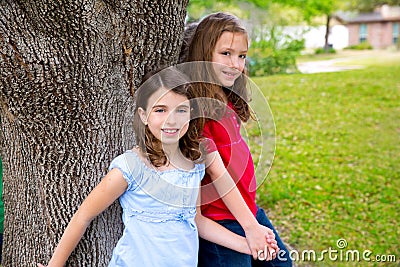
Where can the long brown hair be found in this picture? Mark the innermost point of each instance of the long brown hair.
(177, 82)
(201, 48)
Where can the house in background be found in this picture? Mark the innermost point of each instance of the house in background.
(314, 36)
(381, 28)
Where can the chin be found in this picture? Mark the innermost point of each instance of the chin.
(228, 84)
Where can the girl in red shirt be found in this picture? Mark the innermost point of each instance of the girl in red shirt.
(222, 41)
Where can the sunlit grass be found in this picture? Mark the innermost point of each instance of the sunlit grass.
(336, 172)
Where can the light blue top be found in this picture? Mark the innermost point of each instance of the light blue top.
(158, 214)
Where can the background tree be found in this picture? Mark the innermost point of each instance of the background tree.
(68, 70)
(311, 9)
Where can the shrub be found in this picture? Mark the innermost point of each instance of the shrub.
(322, 50)
(361, 46)
(275, 54)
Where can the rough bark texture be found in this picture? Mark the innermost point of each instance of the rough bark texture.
(67, 73)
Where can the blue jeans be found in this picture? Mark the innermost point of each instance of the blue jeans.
(213, 255)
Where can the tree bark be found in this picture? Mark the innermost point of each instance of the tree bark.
(68, 71)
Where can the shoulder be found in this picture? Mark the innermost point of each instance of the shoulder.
(131, 166)
(129, 156)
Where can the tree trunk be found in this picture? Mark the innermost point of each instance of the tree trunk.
(67, 74)
(327, 31)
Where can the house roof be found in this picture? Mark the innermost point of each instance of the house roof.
(384, 13)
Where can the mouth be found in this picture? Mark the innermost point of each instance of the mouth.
(230, 74)
(170, 131)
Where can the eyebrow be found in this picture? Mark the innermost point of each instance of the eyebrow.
(229, 48)
(165, 106)
(183, 106)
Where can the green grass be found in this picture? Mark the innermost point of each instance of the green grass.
(336, 172)
(315, 57)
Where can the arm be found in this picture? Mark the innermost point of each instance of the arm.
(212, 231)
(103, 195)
(257, 235)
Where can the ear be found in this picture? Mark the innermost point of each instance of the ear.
(142, 115)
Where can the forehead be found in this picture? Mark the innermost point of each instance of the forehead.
(167, 97)
(236, 40)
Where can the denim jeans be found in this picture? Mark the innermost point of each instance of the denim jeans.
(213, 255)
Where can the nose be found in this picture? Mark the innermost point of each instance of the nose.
(235, 63)
(171, 120)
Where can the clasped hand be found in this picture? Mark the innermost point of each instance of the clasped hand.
(262, 243)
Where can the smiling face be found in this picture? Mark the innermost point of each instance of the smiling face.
(230, 55)
(167, 115)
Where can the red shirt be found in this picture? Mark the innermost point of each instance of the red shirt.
(224, 136)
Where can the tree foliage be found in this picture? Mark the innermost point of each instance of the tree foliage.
(199, 8)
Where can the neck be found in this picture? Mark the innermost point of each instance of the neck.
(176, 159)
(171, 151)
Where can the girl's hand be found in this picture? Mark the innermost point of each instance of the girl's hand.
(272, 245)
(269, 252)
(259, 239)
(271, 249)
(256, 237)
(40, 265)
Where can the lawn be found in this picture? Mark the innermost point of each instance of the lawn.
(336, 171)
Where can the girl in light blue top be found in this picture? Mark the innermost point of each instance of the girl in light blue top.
(157, 184)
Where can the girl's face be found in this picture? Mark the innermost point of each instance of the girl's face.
(167, 115)
(230, 54)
